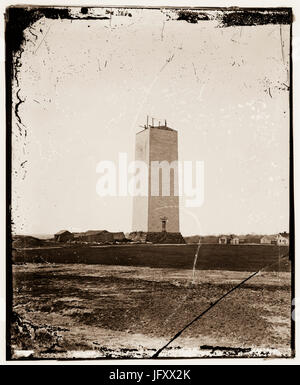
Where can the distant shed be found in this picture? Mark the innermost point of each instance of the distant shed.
(223, 240)
(63, 236)
(282, 241)
(267, 240)
(234, 241)
(99, 236)
(119, 236)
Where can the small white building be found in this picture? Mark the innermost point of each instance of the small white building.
(235, 240)
(281, 240)
(223, 240)
(267, 240)
(278, 240)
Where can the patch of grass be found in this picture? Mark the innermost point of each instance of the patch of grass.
(211, 256)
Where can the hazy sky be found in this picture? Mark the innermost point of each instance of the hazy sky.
(89, 84)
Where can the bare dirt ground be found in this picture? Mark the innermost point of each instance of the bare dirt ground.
(100, 311)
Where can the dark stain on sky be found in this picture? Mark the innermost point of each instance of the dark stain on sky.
(20, 18)
(254, 17)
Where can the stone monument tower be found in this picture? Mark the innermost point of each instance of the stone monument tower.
(157, 215)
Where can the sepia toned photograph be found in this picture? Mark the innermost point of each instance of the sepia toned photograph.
(150, 183)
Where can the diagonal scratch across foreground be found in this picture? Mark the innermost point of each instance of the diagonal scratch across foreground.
(156, 354)
(195, 260)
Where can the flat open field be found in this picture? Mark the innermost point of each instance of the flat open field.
(112, 311)
(210, 257)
